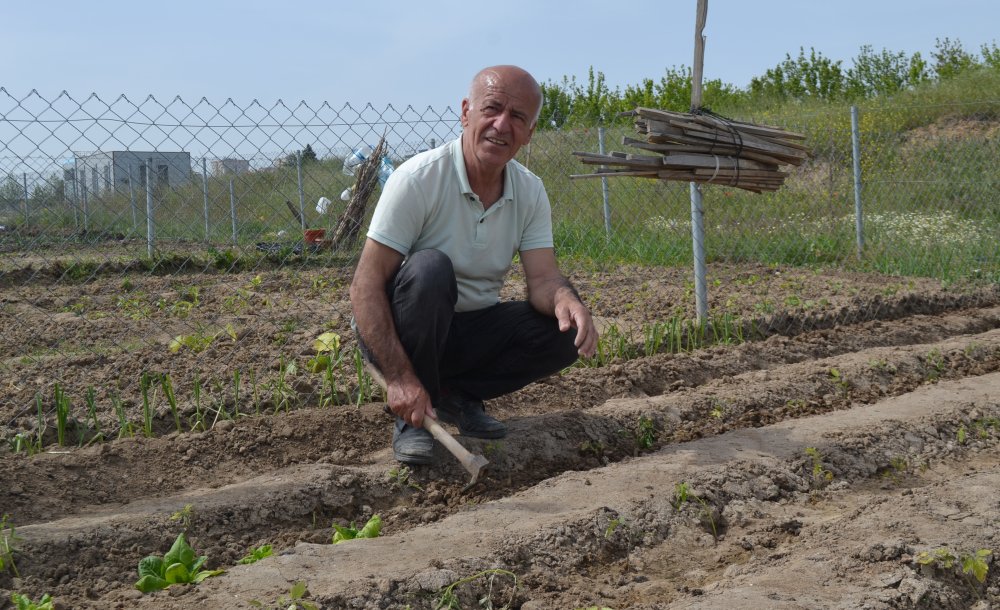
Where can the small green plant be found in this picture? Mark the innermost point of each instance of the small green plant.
(935, 363)
(9, 541)
(257, 554)
(295, 600)
(372, 529)
(148, 403)
(134, 307)
(645, 434)
(682, 493)
(197, 342)
(594, 447)
(399, 476)
(184, 515)
(612, 526)
(972, 564)
(962, 435)
(179, 565)
(819, 473)
(840, 380)
(125, 428)
(448, 599)
(168, 392)
(62, 414)
(23, 602)
(91, 399)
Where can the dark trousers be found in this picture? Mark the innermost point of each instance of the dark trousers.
(482, 354)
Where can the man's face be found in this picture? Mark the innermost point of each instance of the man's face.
(499, 117)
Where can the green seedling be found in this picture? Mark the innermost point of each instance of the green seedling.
(257, 554)
(62, 414)
(327, 348)
(840, 380)
(293, 601)
(449, 599)
(184, 515)
(819, 473)
(40, 423)
(682, 493)
(91, 399)
(23, 602)
(400, 478)
(372, 529)
(197, 420)
(125, 427)
(8, 545)
(612, 526)
(974, 564)
(594, 447)
(977, 564)
(148, 404)
(645, 434)
(168, 392)
(962, 435)
(197, 342)
(179, 565)
(935, 364)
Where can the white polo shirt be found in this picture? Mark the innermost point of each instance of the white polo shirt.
(428, 203)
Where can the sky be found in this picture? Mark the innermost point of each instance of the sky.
(424, 53)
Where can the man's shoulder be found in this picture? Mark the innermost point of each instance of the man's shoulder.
(523, 178)
(428, 161)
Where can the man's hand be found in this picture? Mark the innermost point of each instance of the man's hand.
(409, 400)
(571, 313)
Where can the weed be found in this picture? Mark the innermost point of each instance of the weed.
(882, 365)
(841, 382)
(185, 516)
(594, 447)
(295, 600)
(449, 599)
(796, 404)
(9, 541)
(961, 435)
(682, 492)
(645, 433)
(935, 363)
(612, 526)
(820, 475)
(975, 564)
(197, 342)
(399, 476)
(133, 306)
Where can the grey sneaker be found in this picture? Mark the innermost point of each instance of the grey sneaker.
(470, 417)
(412, 445)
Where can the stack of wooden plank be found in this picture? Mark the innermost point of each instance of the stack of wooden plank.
(702, 147)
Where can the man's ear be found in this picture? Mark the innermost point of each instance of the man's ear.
(466, 107)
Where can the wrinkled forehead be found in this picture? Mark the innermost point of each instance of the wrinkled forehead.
(514, 91)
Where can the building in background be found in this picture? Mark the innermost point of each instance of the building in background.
(102, 172)
(230, 166)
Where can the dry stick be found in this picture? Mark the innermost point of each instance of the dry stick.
(349, 225)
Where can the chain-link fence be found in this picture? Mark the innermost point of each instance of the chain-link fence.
(97, 197)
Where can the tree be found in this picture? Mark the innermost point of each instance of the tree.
(950, 59)
(308, 154)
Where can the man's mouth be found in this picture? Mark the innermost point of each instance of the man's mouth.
(497, 141)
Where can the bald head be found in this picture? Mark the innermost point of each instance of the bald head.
(513, 81)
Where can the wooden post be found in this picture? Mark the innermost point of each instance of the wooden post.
(697, 210)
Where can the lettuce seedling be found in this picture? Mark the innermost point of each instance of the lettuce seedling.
(257, 554)
(23, 602)
(372, 529)
(179, 565)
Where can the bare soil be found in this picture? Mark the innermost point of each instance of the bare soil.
(849, 424)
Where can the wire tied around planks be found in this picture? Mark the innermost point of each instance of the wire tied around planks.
(703, 147)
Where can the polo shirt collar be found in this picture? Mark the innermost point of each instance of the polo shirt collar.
(458, 157)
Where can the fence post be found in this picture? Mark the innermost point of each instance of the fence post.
(149, 207)
(232, 208)
(856, 152)
(302, 194)
(697, 209)
(204, 192)
(86, 207)
(76, 194)
(604, 187)
(24, 178)
(131, 199)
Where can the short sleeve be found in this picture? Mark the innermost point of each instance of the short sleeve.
(400, 214)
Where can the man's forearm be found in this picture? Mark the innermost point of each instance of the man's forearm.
(546, 294)
(378, 331)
